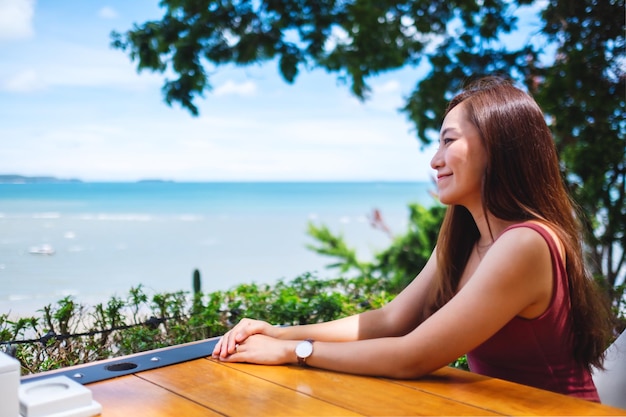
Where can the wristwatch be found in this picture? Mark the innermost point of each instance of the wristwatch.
(303, 351)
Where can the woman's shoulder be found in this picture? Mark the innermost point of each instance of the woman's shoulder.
(531, 229)
(541, 227)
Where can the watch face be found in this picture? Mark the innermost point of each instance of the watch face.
(304, 349)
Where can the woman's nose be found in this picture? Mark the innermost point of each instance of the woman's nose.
(437, 160)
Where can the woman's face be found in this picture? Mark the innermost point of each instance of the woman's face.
(460, 161)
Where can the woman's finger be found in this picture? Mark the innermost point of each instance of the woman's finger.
(222, 348)
(226, 346)
(217, 348)
(238, 334)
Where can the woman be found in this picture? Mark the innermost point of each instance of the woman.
(506, 283)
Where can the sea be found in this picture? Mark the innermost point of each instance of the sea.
(94, 240)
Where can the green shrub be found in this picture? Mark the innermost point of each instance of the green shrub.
(69, 333)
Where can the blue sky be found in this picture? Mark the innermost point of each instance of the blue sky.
(73, 107)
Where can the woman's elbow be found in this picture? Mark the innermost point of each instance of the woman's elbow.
(409, 370)
(396, 323)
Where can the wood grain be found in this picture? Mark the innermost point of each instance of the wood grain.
(503, 396)
(132, 396)
(235, 393)
(205, 387)
(368, 396)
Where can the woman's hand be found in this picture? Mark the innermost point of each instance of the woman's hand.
(263, 350)
(226, 346)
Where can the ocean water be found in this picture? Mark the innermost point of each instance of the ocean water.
(109, 237)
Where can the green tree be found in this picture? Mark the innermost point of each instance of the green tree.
(400, 262)
(573, 64)
(581, 90)
(356, 39)
(584, 92)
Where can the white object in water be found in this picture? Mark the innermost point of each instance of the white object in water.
(57, 397)
(44, 249)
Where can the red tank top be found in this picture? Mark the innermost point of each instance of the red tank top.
(537, 352)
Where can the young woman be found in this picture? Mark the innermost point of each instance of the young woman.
(506, 283)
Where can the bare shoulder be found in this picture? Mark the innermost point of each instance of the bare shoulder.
(525, 262)
(520, 248)
(525, 237)
(517, 268)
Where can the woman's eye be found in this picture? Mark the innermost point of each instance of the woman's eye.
(446, 141)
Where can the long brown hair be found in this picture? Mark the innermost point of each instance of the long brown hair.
(522, 181)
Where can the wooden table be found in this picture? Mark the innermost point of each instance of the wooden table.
(205, 387)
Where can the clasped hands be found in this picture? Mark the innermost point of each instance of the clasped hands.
(255, 341)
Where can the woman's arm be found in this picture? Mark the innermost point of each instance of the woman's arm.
(397, 318)
(516, 273)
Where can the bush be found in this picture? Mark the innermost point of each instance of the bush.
(69, 334)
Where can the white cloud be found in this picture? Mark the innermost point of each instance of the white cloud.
(107, 13)
(220, 146)
(230, 87)
(391, 86)
(16, 19)
(79, 66)
(23, 82)
(386, 96)
(100, 120)
(337, 36)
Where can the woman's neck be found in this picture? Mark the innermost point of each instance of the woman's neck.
(489, 228)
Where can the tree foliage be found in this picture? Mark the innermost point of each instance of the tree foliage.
(69, 333)
(584, 93)
(356, 39)
(398, 264)
(574, 65)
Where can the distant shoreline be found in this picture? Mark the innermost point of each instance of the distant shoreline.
(22, 179)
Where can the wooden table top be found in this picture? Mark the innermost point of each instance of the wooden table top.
(206, 387)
